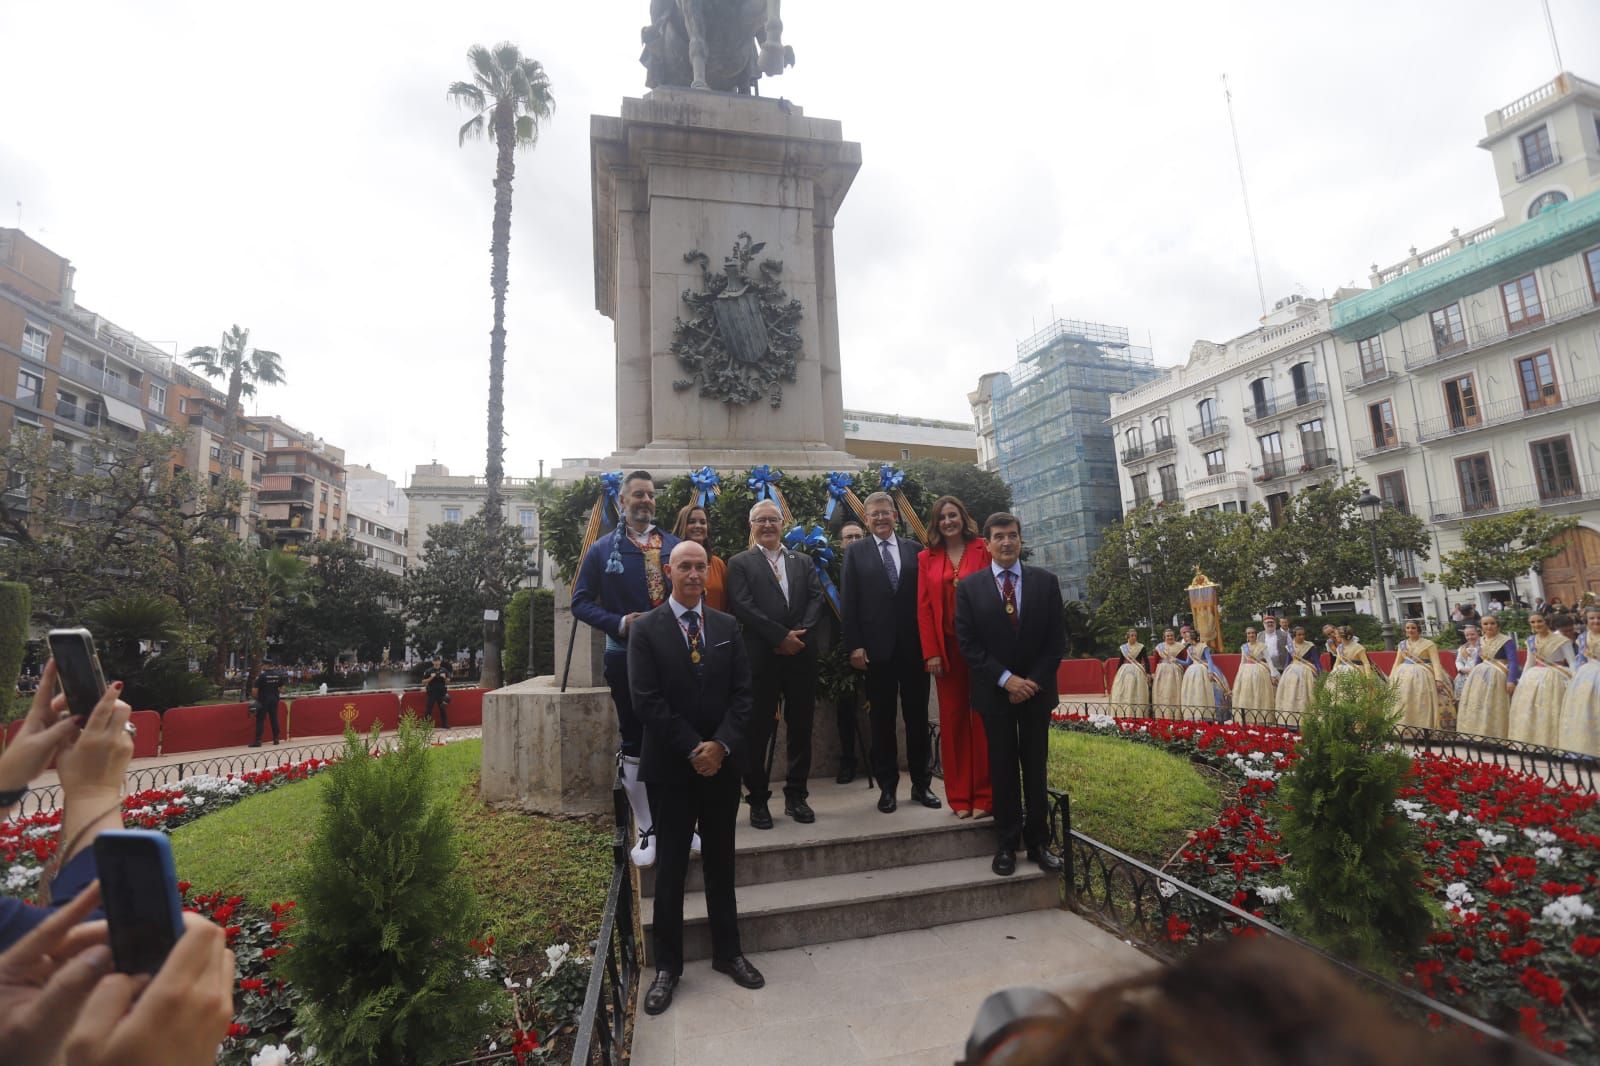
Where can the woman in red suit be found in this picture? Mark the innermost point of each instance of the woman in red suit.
(954, 551)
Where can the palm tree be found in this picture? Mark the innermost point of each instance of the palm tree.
(509, 95)
(243, 367)
(541, 491)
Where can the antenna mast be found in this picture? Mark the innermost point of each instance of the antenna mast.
(1244, 191)
(1555, 46)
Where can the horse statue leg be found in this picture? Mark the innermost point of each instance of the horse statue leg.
(772, 50)
(694, 21)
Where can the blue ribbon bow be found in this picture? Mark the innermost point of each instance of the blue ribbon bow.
(707, 483)
(611, 486)
(761, 481)
(815, 544)
(889, 478)
(839, 483)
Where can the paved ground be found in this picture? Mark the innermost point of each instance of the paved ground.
(903, 998)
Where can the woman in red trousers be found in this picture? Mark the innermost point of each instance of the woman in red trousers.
(954, 552)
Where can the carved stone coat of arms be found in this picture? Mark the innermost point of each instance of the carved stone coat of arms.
(742, 341)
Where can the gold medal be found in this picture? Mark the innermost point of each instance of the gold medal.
(694, 656)
(1011, 609)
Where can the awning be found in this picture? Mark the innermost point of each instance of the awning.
(123, 413)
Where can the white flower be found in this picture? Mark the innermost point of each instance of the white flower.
(1274, 894)
(1539, 836)
(19, 878)
(557, 954)
(1493, 840)
(1102, 721)
(1548, 854)
(509, 982)
(1458, 892)
(1566, 911)
(1256, 756)
(1452, 817)
(1166, 888)
(273, 1055)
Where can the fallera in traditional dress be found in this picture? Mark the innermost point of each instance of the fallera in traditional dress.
(1204, 684)
(1420, 683)
(1536, 705)
(1168, 687)
(1351, 656)
(1468, 656)
(1485, 708)
(1130, 687)
(1252, 685)
(1298, 683)
(1580, 710)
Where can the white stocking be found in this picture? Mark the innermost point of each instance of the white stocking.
(644, 852)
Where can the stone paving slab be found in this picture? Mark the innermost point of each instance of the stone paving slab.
(905, 998)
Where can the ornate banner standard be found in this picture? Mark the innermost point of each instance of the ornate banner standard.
(1205, 604)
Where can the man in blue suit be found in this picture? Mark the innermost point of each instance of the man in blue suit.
(623, 576)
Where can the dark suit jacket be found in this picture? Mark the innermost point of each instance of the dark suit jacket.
(679, 708)
(757, 601)
(874, 615)
(991, 646)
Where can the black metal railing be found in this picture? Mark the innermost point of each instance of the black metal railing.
(603, 1031)
(1169, 918)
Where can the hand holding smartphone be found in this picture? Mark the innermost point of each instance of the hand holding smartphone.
(139, 889)
(77, 669)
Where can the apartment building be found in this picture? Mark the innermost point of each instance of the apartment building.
(376, 516)
(883, 438)
(436, 497)
(1471, 370)
(302, 485)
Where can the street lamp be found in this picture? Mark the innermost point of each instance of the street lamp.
(247, 613)
(1144, 568)
(1371, 508)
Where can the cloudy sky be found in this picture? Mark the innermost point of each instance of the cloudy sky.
(293, 167)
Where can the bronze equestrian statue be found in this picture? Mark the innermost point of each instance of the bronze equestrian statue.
(722, 45)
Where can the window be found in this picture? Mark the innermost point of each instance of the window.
(1169, 483)
(30, 388)
(1544, 201)
(1381, 417)
(1305, 385)
(1207, 408)
(1537, 151)
(1553, 466)
(526, 517)
(1392, 490)
(1141, 489)
(1521, 300)
(1371, 351)
(94, 412)
(1277, 504)
(216, 453)
(1161, 430)
(1232, 507)
(238, 460)
(35, 342)
(1476, 481)
(1271, 455)
(1449, 335)
(1214, 461)
(158, 398)
(905, 453)
(1260, 400)
(1461, 402)
(66, 405)
(1591, 259)
(1536, 376)
(1313, 444)
(452, 515)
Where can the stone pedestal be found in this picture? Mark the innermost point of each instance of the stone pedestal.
(548, 751)
(684, 170)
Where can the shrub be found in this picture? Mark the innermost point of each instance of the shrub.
(16, 603)
(1353, 858)
(515, 656)
(382, 951)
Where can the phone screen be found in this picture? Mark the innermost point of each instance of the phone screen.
(78, 668)
(139, 890)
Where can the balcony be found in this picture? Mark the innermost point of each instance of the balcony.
(1162, 445)
(1270, 470)
(1365, 377)
(1367, 447)
(1260, 411)
(1573, 394)
(205, 422)
(1170, 494)
(1480, 335)
(305, 496)
(71, 412)
(1579, 489)
(1318, 459)
(1524, 171)
(1225, 482)
(1216, 429)
(1134, 453)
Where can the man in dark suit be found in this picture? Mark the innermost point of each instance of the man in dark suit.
(1012, 635)
(777, 598)
(878, 613)
(689, 680)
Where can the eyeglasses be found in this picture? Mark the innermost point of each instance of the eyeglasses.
(880, 514)
(766, 520)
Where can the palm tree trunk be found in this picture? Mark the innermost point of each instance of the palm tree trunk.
(493, 516)
(230, 421)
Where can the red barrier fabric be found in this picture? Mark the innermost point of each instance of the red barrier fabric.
(220, 725)
(1327, 662)
(1080, 677)
(1447, 658)
(1383, 660)
(466, 705)
(10, 731)
(1228, 664)
(326, 716)
(147, 741)
(1112, 666)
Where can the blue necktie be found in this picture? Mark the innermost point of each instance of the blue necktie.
(888, 564)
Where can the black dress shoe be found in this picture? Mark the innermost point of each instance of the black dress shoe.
(744, 975)
(760, 817)
(800, 811)
(926, 797)
(659, 998)
(847, 774)
(886, 802)
(1042, 858)
(1005, 862)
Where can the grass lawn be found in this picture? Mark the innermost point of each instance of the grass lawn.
(539, 881)
(1131, 796)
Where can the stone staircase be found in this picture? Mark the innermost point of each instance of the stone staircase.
(858, 873)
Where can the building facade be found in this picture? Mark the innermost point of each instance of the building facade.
(436, 497)
(302, 489)
(1471, 371)
(1052, 442)
(982, 401)
(376, 516)
(881, 438)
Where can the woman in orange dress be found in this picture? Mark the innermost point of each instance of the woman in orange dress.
(695, 524)
(954, 551)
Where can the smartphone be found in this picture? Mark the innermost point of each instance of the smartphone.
(78, 669)
(139, 890)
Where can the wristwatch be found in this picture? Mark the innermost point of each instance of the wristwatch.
(12, 797)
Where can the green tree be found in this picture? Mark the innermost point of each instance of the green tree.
(243, 366)
(381, 952)
(1354, 861)
(15, 607)
(541, 492)
(141, 641)
(510, 94)
(1228, 546)
(1504, 548)
(542, 603)
(445, 595)
(1324, 544)
(983, 492)
(353, 606)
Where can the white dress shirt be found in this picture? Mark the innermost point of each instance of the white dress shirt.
(894, 552)
(780, 569)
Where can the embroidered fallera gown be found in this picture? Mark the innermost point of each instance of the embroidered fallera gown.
(1485, 708)
(1351, 656)
(1580, 709)
(1168, 687)
(1468, 656)
(1535, 716)
(1252, 686)
(1417, 679)
(1298, 683)
(1203, 682)
(1130, 688)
